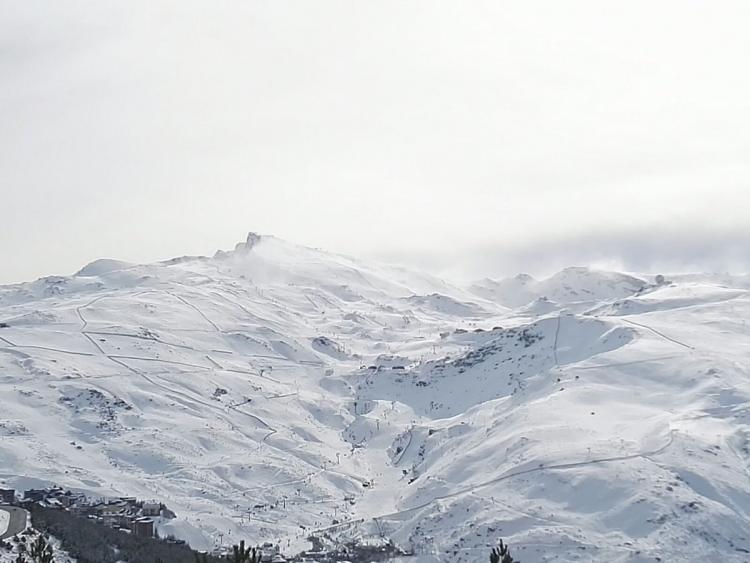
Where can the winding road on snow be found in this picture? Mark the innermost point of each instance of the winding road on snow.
(16, 521)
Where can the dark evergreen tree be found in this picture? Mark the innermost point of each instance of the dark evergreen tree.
(242, 555)
(41, 550)
(501, 554)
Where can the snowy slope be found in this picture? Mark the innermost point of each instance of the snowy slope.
(275, 391)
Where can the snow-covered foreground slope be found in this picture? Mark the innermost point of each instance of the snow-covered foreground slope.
(276, 391)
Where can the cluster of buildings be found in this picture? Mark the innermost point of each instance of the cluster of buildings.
(125, 513)
(139, 518)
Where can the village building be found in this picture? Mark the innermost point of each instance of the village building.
(124, 513)
(151, 509)
(7, 496)
(143, 527)
(105, 509)
(34, 495)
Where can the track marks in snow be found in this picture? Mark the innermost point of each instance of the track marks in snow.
(34, 347)
(140, 337)
(8, 342)
(79, 311)
(403, 452)
(557, 334)
(625, 364)
(159, 360)
(660, 334)
(214, 362)
(195, 308)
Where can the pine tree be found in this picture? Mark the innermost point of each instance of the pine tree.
(502, 555)
(41, 551)
(242, 555)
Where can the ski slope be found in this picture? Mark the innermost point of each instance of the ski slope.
(275, 391)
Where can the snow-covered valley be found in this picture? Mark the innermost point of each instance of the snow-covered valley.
(275, 392)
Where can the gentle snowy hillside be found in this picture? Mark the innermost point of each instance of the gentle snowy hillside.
(275, 391)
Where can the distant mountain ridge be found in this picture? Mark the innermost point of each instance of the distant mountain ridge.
(571, 285)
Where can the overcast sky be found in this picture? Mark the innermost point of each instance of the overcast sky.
(471, 138)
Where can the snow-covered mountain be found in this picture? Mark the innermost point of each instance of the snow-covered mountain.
(275, 391)
(570, 286)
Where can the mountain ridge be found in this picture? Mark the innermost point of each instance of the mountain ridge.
(267, 391)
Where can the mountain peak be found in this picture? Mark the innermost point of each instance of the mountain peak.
(251, 240)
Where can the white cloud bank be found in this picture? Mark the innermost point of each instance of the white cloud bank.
(143, 130)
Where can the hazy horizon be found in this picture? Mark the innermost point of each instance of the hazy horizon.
(712, 254)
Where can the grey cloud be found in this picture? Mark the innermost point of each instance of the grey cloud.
(640, 250)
